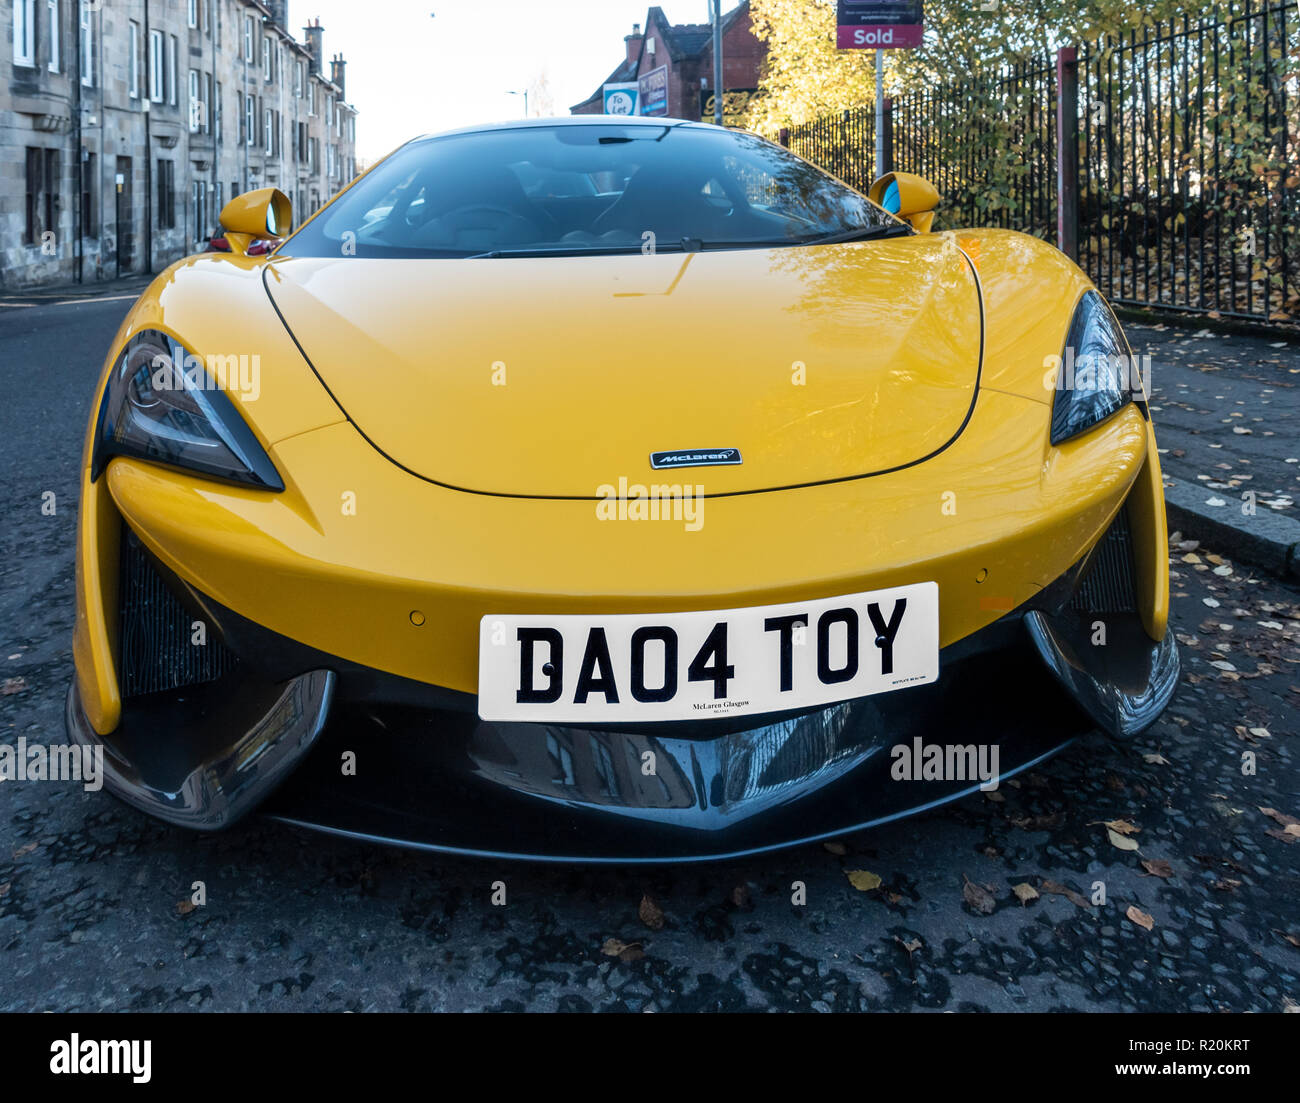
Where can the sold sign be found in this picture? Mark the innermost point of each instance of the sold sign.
(879, 24)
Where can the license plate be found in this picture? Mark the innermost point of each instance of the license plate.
(637, 667)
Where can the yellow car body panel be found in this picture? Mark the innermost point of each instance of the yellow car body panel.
(302, 564)
(812, 363)
(347, 584)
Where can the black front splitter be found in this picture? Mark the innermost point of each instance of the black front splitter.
(443, 780)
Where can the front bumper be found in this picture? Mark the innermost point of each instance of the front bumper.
(430, 774)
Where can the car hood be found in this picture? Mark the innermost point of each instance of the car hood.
(556, 376)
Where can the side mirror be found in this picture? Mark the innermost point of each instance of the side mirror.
(266, 212)
(911, 197)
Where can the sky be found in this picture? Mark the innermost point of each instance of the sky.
(410, 74)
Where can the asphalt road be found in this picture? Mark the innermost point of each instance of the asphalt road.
(94, 898)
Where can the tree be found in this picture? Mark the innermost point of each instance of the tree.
(807, 76)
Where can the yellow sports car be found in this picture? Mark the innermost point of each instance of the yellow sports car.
(612, 490)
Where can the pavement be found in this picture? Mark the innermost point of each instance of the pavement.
(994, 902)
(1227, 416)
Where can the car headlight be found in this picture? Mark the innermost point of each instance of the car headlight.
(161, 404)
(1094, 379)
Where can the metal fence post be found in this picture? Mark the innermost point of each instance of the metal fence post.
(887, 163)
(1067, 150)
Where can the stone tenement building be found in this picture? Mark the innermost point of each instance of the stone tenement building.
(126, 125)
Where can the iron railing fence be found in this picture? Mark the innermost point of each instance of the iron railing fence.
(843, 144)
(1186, 137)
(988, 144)
(1190, 164)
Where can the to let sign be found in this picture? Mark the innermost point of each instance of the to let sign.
(879, 24)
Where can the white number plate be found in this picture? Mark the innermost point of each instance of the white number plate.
(640, 667)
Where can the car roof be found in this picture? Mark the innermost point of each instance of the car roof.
(567, 120)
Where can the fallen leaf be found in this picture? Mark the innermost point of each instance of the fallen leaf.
(862, 880)
(1288, 839)
(624, 951)
(1281, 817)
(1052, 888)
(1157, 867)
(22, 851)
(911, 945)
(1025, 892)
(1155, 760)
(1121, 842)
(1227, 884)
(978, 897)
(1140, 917)
(184, 907)
(1294, 939)
(12, 685)
(650, 913)
(836, 848)
(995, 797)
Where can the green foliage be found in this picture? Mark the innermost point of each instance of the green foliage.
(1175, 152)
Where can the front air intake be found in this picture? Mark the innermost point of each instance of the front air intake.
(1107, 585)
(161, 646)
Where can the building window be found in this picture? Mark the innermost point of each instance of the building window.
(311, 101)
(268, 125)
(52, 9)
(199, 198)
(36, 189)
(156, 66)
(248, 38)
(196, 106)
(133, 62)
(25, 33)
(88, 182)
(250, 120)
(266, 57)
(172, 56)
(87, 44)
(194, 13)
(166, 199)
(217, 112)
(51, 189)
(209, 105)
(42, 208)
(297, 81)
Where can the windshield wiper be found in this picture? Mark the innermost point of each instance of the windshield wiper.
(561, 251)
(862, 233)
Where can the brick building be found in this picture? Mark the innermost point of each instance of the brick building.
(126, 125)
(673, 65)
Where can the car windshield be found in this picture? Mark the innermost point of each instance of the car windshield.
(587, 188)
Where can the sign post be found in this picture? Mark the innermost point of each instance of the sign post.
(880, 25)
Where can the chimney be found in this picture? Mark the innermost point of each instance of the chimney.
(633, 42)
(337, 65)
(279, 12)
(315, 35)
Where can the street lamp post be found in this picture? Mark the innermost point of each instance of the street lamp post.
(523, 93)
(717, 63)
